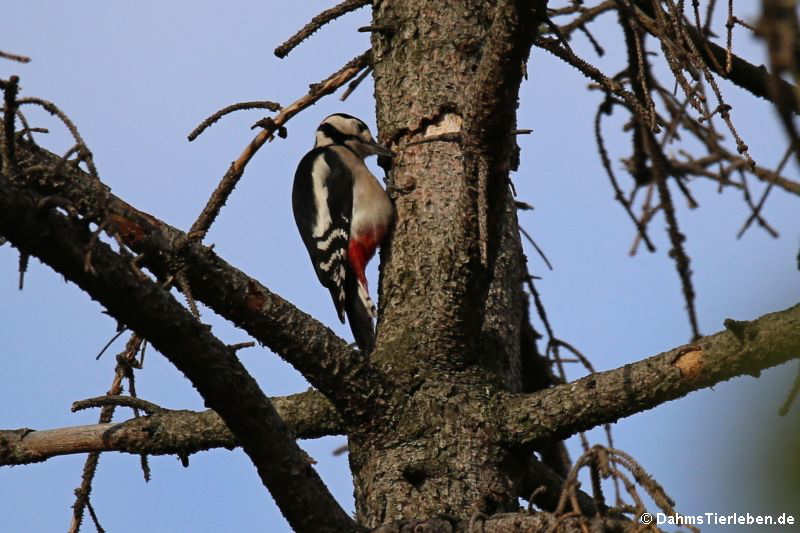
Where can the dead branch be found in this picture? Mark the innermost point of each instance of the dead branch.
(266, 104)
(218, 376)
(10, 104)
(641, 228)
(117, 401)
(15, 57)
(308, 415)
(677, 252)
(746, 348)
(316, 23)
(749, 77)
(124, 369)
(82, 148)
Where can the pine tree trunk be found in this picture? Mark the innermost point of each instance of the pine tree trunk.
(447, 76)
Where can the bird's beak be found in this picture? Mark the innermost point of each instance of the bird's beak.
(379, 149)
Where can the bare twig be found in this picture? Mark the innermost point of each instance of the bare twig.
(23, 267)
(93, 515)
(117, 400)
(110, 342)
(186, 289)
(756, 214)
(640, 225)
(587, 15)
(10, 89)
(107, 412)
(241, 345)
(15, 57)
(317, 22)
(83, 149)
(536, 247)
(676, 238)
(264, 104)
(355, 83)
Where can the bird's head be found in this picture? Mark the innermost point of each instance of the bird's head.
(347, 130)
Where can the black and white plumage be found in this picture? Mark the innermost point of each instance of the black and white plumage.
(343, 215)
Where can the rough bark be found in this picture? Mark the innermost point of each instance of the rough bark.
(446, 78)
(308, 415)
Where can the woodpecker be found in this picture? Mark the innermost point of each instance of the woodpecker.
(343, 215)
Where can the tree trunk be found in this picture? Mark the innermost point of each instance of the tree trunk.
(447, 76)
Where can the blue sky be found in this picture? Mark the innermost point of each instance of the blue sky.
(136, 78)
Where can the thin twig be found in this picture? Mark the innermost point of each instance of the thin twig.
(355, 83)
(10, 89)
(117, 400)
(678, 253)
(317, 22)
(110, 342)
(536, 247)
(601, 148)
(23, 267)
(51, 108)
(106, 413)
(262, 104)
(240, 345)
(186, 289)
(756, 214)
(15, 57)
(93, 515)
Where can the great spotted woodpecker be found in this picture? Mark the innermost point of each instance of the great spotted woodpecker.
(343, 215)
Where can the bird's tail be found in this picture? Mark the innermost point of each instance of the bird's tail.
(359, 315)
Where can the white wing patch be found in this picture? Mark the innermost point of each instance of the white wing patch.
(319, 173)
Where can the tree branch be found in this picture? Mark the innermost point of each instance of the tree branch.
(316, 23)
(211, 366)
(342, 374)
(744, 348)
(756, 80)
(307, 415)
